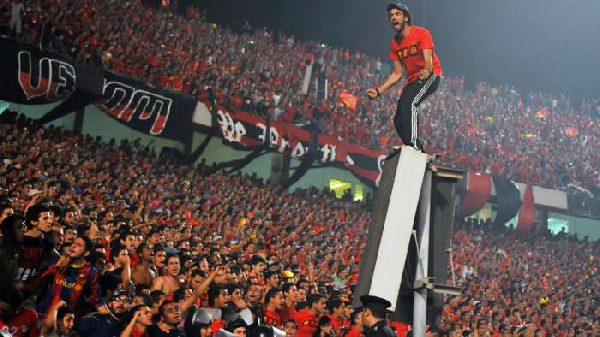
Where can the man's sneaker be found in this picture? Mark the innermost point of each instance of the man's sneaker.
(395, 150)
(430, 159)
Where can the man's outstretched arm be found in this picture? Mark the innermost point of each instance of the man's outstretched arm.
(394, 78)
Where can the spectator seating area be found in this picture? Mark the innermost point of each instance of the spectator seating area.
(494, 128)
(105, 239)
(167, 233)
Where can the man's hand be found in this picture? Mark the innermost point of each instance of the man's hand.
(50, 320)
(63, 261)
(125, 260)
(423, 74)
(221, 271)
(240, 304)
(136, 316)
(373, 93)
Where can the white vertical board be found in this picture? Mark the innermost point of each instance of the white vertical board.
(397, 228)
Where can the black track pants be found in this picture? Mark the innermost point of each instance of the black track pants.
(406, 119)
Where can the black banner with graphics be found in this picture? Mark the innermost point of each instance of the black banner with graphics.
(247, 131)
(31, 76)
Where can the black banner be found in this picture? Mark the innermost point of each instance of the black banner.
(509, 200)
(31, 76)
(150, 110)
(247, 131)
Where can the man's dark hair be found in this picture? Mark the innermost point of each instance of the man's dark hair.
(301, 306)
(334, 304)
(231, 287)
(285, 288)
(236, 323)
(63, 311)
(4, 205)
(170, 256)
(146, 298)
(10, 228)
(270, 273)
(256, 260)
(271, 294)
(324, 320)
(161, 310)
(179, 295)
(126, 233)
(57, 210)
(401, 7)
(356, 312)
(199, 272)
(115, 251)
(140, 248)
(213, 292)
(89, 245)
(313, 299)
(12, 296)
(33, 214)
(154, 231)
(156, 295)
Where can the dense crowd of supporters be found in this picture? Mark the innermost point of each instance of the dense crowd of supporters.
(537, 137)
(102, 239)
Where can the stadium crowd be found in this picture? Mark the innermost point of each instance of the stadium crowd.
(105, 240)
(491, 128)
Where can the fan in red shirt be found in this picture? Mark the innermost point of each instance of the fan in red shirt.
(273, 304)
(291, 297)
(19, 321)
(412, 49)
(336, 313)
(357, 324)
(308, 319)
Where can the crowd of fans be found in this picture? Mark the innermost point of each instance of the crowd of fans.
(536, 285)
(491, 128)
(96, 228)
(102, 239)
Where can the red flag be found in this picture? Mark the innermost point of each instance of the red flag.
(349, 100)
(542, 113)
(527, 214)
(479, 188)
(571, 132)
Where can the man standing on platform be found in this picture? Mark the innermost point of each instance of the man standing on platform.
(373, 316)
(412, 48)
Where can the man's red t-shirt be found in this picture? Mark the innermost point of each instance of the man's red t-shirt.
(335, 324)
(287, 313)
(272, 318)
(307, 323)
(24, 324)
(138, 333)
(410, 52)
(354, 332)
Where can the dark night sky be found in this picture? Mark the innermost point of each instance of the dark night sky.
(548, 45)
